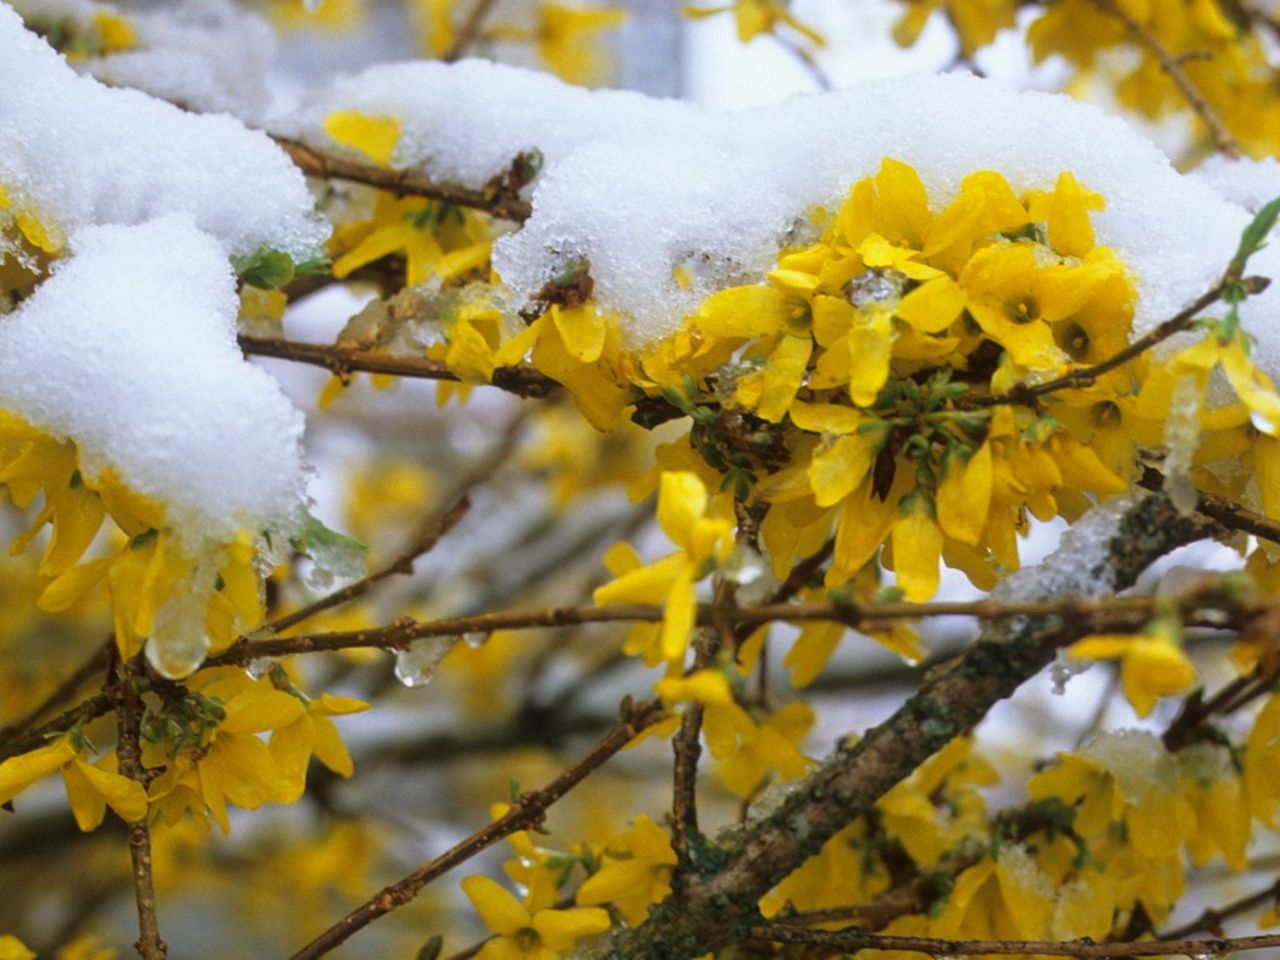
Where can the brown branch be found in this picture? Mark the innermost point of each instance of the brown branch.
(1172, 65)
(402, 564)
(1112, 612)
(469, 31)
(855, 939)
(343, 361)
(316, 163)
(1213, 918)
(129, 751)
(90, 709)
(1227, 513)
(65, 690)
(528, 811)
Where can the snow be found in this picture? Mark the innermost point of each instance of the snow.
(79, 153)
(1249, 183)
(206, 55)
(640, 187)
(1079, 567)
(140, 367)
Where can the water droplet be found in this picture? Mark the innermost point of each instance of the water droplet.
(416, 664)
(1063, 670)
(259, 667)
(178, 641)
(476, 639)
(746, 568)
(1181, 437)
(875, 286)
(333, 566)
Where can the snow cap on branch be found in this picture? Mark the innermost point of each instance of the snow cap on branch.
(130, 350)
(670, 202)
(77, 153)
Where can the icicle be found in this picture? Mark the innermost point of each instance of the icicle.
(1181, 437)
(416, 665)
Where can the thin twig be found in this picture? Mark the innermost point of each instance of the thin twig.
(90, 709)
(343, 361)
(65, 690)
(402, 564)
(129, 751)
(856, 939)
(1172, 65)
(1228, 513)
(1112, 611)
(469, 31)
(316, 163)
(1027, 393)
(1213, 918)
(528, 811)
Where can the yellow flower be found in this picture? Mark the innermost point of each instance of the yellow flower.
(374, 136)
(542, 935)
(11, 948)
(976, 22)
(636, 872)
(755, 17)
(1152, 665)
(328, 15)
(90, 787)
(435, 239)
(214, 758)
(704, 539)
(748, 751)
(568, 43)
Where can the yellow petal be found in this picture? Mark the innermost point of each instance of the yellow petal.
(582, 329)
(375, 137)
(258, 710)
(743, 312)
(1070, 232)
(500, 911)
(678, 618)
(783, 374)
(66, 589)
(18, 773)
(559, 929)
(125, 796)
(11, 948)
(964, 496)
(836, 471)
(917, 549)
(933, 306)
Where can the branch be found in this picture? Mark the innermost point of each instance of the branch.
(1172, 65)
(1226, 513)
(752, 860)
(1114, 612)
(1213, 917)
(82, 674)
(343, 361)
(129, 751)
(316, 163)
(90, 709)
(528, 811)
(469, 31)
(855, 939)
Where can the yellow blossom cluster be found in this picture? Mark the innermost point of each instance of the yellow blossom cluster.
(146, 565)
(1219, 47)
